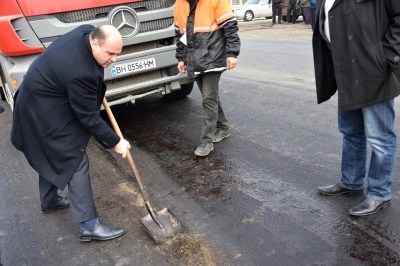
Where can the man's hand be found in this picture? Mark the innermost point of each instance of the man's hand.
(181, 67)
(122, 147)
(231, 62)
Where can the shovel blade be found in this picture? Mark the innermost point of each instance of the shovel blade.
(170, 226)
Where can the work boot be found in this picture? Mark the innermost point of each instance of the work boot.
(204, 149)
(220, 135)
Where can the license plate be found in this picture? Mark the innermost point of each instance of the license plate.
(133, 66)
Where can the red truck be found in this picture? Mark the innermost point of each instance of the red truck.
(147, 64)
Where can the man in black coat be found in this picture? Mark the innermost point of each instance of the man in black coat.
(356, 47)
(276, 10)
(57, 109)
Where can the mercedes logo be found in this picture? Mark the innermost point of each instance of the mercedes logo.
(125, 20)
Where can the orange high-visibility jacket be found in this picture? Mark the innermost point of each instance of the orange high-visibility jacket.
(209, 14)
(210, 34)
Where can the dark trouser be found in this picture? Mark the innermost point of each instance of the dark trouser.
(312, 17)
(214, 117)
(276, 10)
(291, 9)
(307, 15)
(79, 190)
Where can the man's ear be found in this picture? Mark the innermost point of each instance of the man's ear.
(94, 43)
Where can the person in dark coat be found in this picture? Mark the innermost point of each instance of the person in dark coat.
(209, 45)
(312, 13)
(291, 15)
(56, 110)
(356, 46)
(276, 10)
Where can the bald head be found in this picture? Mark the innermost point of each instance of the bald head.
(106, 43)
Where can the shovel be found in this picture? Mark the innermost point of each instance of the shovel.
(162, 224)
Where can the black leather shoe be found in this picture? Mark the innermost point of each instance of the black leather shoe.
(334, 190)
(368, 206)
(61, 203)
(100, 232)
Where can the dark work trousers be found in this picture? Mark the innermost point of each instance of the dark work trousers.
(276, 10)
(291, 12)
(214, 117)
(79, 190)
(306, 15)
(312, 18)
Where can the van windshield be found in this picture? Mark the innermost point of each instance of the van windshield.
(252, 2)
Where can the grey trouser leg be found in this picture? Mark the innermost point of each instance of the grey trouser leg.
(80, 194)
(47, 191)
(214, 116)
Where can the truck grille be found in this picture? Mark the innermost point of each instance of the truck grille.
(101, 12)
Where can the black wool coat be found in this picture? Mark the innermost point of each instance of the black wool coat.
(57, 108)
(365, 46)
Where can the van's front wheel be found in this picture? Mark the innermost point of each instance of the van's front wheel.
(248, 16)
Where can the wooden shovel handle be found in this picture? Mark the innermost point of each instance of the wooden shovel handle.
(128, 154)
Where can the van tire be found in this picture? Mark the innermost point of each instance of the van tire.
(248, 16)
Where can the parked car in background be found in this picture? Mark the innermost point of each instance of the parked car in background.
(253, 9)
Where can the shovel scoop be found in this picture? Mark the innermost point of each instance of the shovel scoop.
(166, 227)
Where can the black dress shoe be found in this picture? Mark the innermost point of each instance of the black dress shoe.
(334, 190)
(60, 203)
(368, 206)
(100, 232)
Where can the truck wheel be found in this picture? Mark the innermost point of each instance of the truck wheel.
(248, 16)
(185, 90)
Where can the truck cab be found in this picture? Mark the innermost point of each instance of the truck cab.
(147, 64)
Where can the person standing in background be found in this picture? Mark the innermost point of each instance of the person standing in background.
(291, 15)
(312, 13)
(276, 10)
(305, 8)
(356, 47)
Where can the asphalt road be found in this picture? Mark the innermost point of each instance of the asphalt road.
(252, 201)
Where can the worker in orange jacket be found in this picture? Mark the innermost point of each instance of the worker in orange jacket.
(209, 45)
